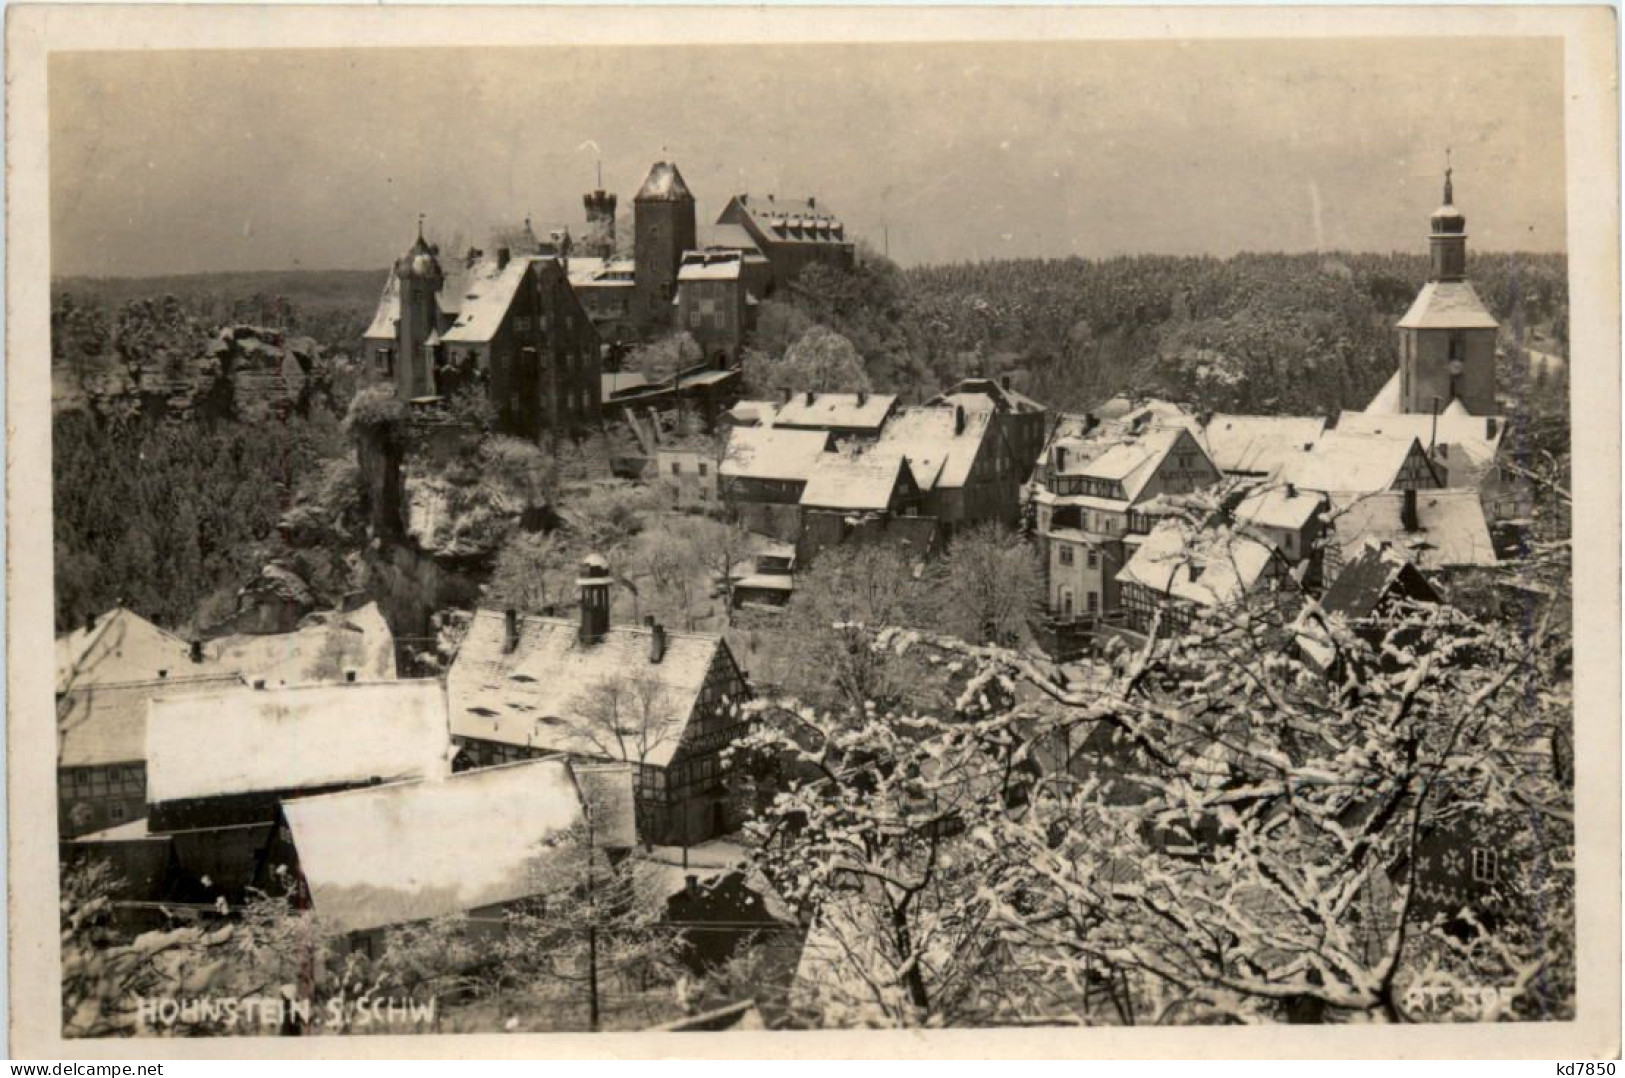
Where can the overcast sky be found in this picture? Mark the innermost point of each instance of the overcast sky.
(177, 162)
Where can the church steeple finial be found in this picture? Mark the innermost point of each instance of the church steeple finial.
(1449, 189)
(420, 226)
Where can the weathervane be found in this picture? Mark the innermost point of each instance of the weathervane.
(1449, 199)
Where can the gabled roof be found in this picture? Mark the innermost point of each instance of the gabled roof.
(324, 648)
(122, 646)
(792, 220)
(1448, 305)
(549, 692)
(1477, 436)
(1276, 506)
(1363, 584)
(1341, 462)
(732, 237)
(844, 411)
(243, 740)
(602, 272)
(772, 453)
(754, 412)
(1210, 568)
(664, 184)
(413, 851)
(1387, 400)
(1452, 532)
(714, 266)
(861, 483)
(1256, 443)
(388, 314)
(979, 393)
(107, 724)
(1129, 459)
(940, 442)
(487, 294)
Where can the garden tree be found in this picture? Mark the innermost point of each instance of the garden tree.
(626, 716)
(533, 571)
(1211, 826)
(669, 564)
(985, 587)
(820, 360)
(607, 515)
(721, 547)
(590, 944)
(663, 358)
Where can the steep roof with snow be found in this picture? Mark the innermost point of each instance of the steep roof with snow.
(940, 442)
(107, 724)
(1451, 533)
(860, 483)
(323, 648)
(488, 292)
(550, 692)
(836, 411)
(1275, 506)
(1344, 462)
(1256, 443)
(1448, 305)
(122, 646)
(242, 740)
(1211, 567)
(413, 851)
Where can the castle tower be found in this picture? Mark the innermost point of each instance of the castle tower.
(662, 229)
(1447, 338)
(417, 333)
(599, 241)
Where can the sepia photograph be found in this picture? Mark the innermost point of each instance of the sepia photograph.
(1011, 531)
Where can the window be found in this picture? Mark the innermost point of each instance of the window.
(702, 467)
(1094, 561)
(115, 812)
(1065, 554)
(1484, 865)
(1094, 602)
(693, 318)
(676, 468)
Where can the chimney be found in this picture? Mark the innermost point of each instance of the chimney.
(510, 636)
(503, 254)
(1291, 490)
(1004, 381)
(1407, 512)
(657, 643)
(1060, 458)
(691, 884)
(162, 674)
(648, 621)
(259, 684)
(550, 611)
(810, 396)
(863, 398)
(90, 622)
(197, 651)
(959, 419)
(1489, 427)
(349, 677)
(594, 587)
(812, 203)
(786, 394)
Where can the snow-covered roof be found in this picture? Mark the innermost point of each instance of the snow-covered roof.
(940, 442)
(986, 393)
(789, 219)
(1387, 401)
(1211, 567)
(601, 272)
(388, 314)
(862, 482)
(549, 692)
(1127, 458)
(1256, 443)
(122, 646)
(1448, 305)
(487, 294)
(412, 851)
(754, 412)
(1451, 533)
(1478, 436)
(107, 724)
(1275, 506)
(844, 411)
(324, 648)
(607, 792)
(1343, 462)
(613, 382)
(242, 740)
(772, 453)
(664, 183)
(714, 266)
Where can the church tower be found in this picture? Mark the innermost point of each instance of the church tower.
(417, 333)
(1447, 338)
(662, 229)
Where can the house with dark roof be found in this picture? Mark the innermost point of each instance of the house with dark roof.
(790, 234)
(666, 702)
(1378, 582)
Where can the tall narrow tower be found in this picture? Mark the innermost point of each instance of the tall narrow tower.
(662, 229)
(418, 331)
(599, 241)
(1447, 338)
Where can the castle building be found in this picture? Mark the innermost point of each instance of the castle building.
(1447, 338)
(782, 237)
(662, 229)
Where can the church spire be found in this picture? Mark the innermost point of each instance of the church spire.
(1448, 238)
(1449, 191)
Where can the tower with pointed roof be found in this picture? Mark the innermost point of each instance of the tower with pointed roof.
(417, 334)
(1447, 338)
(662, 229)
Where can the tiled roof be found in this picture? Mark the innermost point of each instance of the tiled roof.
(836, 410)
(412, 851)
(772, 453)
(1256, 443)
(243, 740)
(793, 220)
(107, 724)
(1451, 533)
(1211, 568)
(937, 455)
(860, 483)
(550, 691)
(1448, 305)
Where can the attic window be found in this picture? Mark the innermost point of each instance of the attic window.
(550, 720)
(484, 712)
(521, 677)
